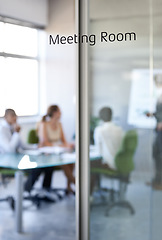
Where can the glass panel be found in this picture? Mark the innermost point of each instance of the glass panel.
(122, 78)
(157, 189)
(20, 40)
(26, 100)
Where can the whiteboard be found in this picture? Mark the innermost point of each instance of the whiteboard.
(143, 98)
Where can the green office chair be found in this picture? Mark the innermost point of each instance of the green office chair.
(124, 166)
(6, 175)
(32, 137)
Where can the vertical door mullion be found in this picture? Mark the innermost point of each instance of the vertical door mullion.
(82, 128)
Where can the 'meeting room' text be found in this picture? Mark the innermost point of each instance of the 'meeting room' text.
(91, 39)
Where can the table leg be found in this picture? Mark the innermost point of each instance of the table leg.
(19, 199)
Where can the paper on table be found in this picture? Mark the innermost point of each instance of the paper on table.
(48, 150)
(55, 149)
(67, 156)
(58, 150)
(72, 156)
(94, 154)
(34, 152)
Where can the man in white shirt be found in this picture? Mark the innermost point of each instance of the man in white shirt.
(9, 133)
(10, 142)
(108, 138)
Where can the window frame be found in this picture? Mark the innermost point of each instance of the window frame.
(18, 56)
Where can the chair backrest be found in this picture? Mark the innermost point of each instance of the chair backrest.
(32, 137)
(124, 158)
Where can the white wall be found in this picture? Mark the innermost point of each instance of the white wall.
(32, 11)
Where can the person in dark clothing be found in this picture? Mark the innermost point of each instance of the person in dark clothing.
(33, 176)
(157, 145)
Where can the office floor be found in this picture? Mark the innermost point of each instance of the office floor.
(57, 221)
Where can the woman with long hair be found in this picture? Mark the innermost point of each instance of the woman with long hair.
(50, 133)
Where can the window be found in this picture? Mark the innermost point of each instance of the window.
(19, 69)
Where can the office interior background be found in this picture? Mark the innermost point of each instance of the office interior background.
(120, 76)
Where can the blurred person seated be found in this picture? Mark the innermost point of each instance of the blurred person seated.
(10, 142)
(108, 138)
(9, 133)
(50, 133)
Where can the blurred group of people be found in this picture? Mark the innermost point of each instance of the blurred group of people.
(50, 133)
(107, 137)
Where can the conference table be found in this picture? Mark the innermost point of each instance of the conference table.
(30, 160)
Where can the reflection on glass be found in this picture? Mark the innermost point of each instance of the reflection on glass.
(25, 163)
(122, 78)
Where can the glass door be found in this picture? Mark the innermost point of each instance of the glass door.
(124, 86)
(156, 193)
